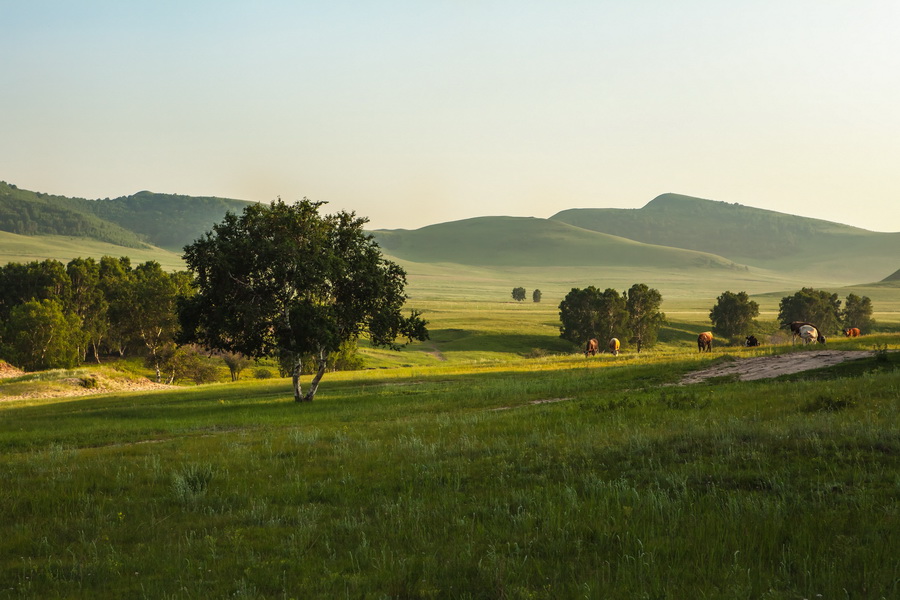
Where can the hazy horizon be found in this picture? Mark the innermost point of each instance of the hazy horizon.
(419, 113)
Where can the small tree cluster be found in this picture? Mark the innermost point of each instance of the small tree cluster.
(634, 315)
(824, 310)
(811, 306)
(518, 294)
(54, 315)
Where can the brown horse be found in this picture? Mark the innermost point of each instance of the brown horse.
(592, 348)
(704, 341)
(852, 332)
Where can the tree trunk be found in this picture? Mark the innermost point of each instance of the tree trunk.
(295, 378)
(322, 362)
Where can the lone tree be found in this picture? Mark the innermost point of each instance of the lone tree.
(283, 279)
(812, 306)
(518, 294)
(733, 314)
(536, 296)
(858, 312)
(644, 317)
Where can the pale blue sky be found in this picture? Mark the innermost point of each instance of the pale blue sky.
(419, 112)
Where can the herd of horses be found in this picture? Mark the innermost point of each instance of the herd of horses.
(806, 332)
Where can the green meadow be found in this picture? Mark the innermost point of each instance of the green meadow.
(492, 461)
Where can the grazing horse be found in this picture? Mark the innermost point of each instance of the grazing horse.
(751, 341)
(704, 341)
(592, 348)
(613, 346)
(852, 332)
(795, 329)
(810, 334)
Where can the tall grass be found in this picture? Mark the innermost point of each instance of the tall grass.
(462, 481)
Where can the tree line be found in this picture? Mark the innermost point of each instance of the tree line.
(57, 316)
(734, 314)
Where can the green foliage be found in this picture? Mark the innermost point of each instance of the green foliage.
(858, 313)
(812, 306)
(284, 280)
(733, 314)
(589, 313)
(644, 317)
(536, 296)
(40, 335)
(236, 362)
(518, 294)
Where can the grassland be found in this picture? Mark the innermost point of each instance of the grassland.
(27, 248)
(483, 469)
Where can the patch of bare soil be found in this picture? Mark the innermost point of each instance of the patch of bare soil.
(76, 386)
(7, 370)
(766, 367)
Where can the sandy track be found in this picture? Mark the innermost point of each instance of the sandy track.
(765, 367)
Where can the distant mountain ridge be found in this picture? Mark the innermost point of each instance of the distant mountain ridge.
(752, 236)
(671, 231)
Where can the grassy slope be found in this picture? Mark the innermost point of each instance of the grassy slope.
(526, 241)
(22, 248)
(766, 239)
(448, 482)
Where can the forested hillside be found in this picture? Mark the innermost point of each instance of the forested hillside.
(33, 213)
(166, 220)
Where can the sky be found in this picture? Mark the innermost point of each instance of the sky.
(419, 112)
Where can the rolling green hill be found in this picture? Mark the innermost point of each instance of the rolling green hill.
(35, 214)
(527, 241)
(752, 236)
(165, 220)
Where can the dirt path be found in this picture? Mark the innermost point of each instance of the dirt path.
(765, 367)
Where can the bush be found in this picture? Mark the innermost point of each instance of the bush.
(263, 374)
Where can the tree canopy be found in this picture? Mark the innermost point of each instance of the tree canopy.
(812, 306)
(858, 312)
(733, 314)
(644, 317)
(284, 279)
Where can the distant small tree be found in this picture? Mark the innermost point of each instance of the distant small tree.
(733, 314)
(236, 362)
(536, 296)
(858, 312)
(518, 294)
(644, 316)
(813, 306)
